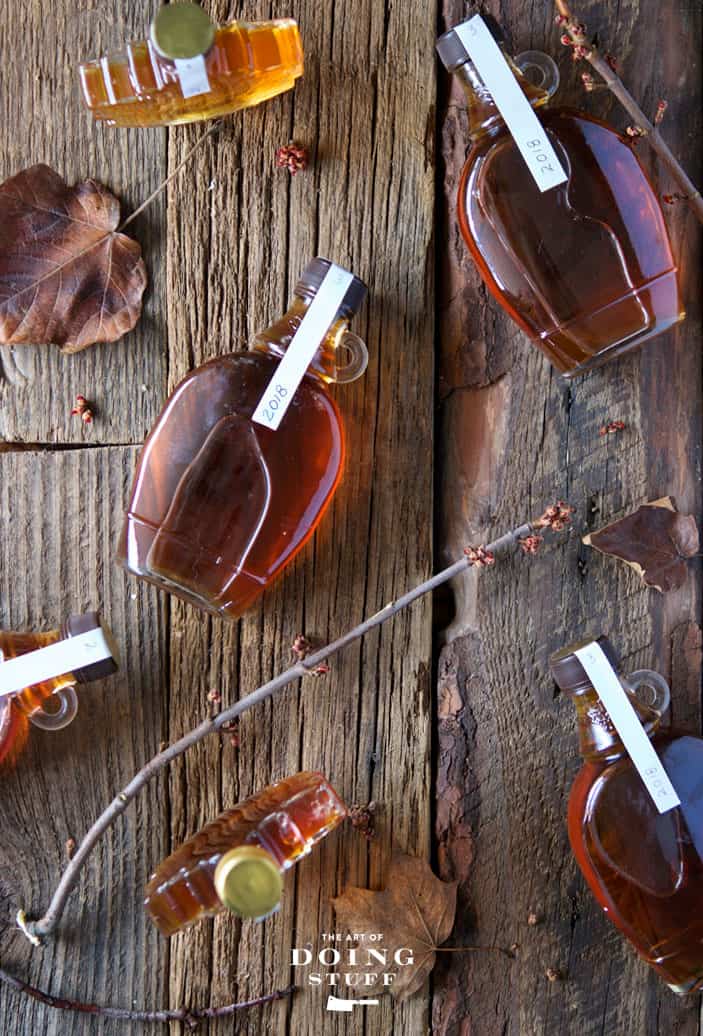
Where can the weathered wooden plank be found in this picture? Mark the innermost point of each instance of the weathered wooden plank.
(235, 252)
(45, 121)
(507, 744)
(60, 517)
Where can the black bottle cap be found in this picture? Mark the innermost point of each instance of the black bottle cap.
(452, 52)
(77, 624)
(312, 277)
(568, 671)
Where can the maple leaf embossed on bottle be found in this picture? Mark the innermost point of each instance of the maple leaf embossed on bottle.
(644, 867)
(221, 503)
(585, 268)
(237, 861)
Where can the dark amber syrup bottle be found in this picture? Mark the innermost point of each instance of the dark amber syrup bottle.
(585, 268)
(237, 861)
(645, 868)
(220, 504)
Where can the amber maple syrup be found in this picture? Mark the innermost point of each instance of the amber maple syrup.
(585, 268)
(221, 504)
(236, 860)
(50, 704)
(645, 868)
(243, 64)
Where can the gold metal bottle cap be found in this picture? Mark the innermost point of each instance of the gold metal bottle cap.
(182, 30)
(248, 881)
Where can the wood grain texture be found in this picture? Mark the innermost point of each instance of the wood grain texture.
(363, 108)
(224, 247)
(41, 46)
(61, 512)
(507, 741)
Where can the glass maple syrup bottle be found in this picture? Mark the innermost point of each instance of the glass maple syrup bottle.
(237, 861)
(584, 268)
(645, 868)
(221, 503)
(48, 702)
(190, 70)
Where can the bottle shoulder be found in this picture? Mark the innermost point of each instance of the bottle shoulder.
(618, 779)
(248, 363)
(573, 129)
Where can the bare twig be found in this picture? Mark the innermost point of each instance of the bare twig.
(555, 517)
(583, 48)
(191, 1017)
(171, 176)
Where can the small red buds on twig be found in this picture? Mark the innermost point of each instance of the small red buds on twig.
(635, 133)
(83, 410)
(575, 37)
(363, 820)
(320, 670)
(214, 696)
(293, 157)
(530, 544)
(70, 847)
(232, 728)
(612, 427)
(301, 647)
(480, 557)
(671, 199)
(660, 112)
(556, 517)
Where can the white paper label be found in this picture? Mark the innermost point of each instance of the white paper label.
(192, 75)
(55, 660)
(528, 132)
(627, 723)
(278, 394)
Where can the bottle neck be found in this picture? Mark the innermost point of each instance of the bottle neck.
(484, 117)
(276, 338)
(598, 739)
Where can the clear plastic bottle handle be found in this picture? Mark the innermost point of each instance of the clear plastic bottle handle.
(540, 69)
(358, 354)
(659, 696)
(56, 719)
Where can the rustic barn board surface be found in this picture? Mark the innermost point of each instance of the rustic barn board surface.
(61, 514)
(228, 244)
(44, 121)
(513, 437)
(224, 246)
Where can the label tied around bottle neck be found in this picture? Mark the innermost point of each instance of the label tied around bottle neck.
(66, 656)
(319, 317)
(627, 723)
(527, 131)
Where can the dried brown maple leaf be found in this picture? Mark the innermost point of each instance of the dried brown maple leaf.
(67, 276)
(413, 916)
(655, 540)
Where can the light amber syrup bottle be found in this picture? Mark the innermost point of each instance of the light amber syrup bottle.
(585, 268)
(237, 861)
(50, 704)
(189, 69)
(645, 868)
(221, 504)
